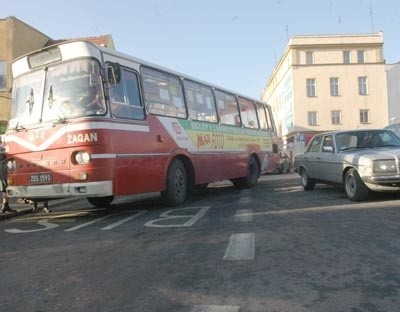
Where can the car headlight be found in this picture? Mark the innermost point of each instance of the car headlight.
(384, 166)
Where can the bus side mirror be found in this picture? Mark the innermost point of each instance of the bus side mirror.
(113, 73)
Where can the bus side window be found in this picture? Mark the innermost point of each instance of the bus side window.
(227, 108)
(248, 113)
(262, 117)
(163, 93)
(270, 118)
(125, 97)
(200, 102)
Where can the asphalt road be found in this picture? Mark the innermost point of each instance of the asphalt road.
(271, 248)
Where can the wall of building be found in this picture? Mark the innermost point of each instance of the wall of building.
(5, 52)
(349, 102)
(286, 89)
(393, 81)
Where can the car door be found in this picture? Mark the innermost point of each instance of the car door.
(311, 156)
(328, 164)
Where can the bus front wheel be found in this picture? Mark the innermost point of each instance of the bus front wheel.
(177, 184)
(100, 201)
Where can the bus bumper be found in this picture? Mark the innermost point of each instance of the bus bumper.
(54, 191)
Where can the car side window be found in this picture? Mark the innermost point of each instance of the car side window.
(327, 145)
(315, 145)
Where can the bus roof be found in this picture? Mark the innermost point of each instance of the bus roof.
(17, 70)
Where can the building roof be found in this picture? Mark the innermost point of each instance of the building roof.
(104, 41)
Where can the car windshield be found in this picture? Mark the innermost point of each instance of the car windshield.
(57, 93)
(366, 139)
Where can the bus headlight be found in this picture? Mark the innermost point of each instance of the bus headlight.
(11, 164)
(81, 157)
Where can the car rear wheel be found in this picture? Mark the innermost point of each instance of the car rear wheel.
(354, 187)
(307, 182)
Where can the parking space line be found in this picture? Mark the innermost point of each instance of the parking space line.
(245, 200)
(74, 228)
(214, 308)
(244, 215)
(46, 226)
(241, 247)
(124, 220)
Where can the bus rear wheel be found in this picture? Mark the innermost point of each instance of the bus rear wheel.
(251, 178)
(177, 184)
(99, 202)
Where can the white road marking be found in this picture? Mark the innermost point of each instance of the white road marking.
(124, 220)
(214, 308)
(245, 200)
(241, 247)
(244, 215)
(350, 206)
(77, 227)
(47, 226)
(167, 216)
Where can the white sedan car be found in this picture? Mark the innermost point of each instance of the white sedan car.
(361, 160)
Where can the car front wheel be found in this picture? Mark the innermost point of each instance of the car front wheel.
(307, 183)
(354, 187)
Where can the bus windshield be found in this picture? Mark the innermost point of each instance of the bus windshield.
(57, 93)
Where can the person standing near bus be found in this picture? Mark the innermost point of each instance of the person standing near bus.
(3, 179)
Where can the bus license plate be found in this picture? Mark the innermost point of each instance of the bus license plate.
(41, 178)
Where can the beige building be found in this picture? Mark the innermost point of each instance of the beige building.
(16, 39)
(393, 82)
(328, 82)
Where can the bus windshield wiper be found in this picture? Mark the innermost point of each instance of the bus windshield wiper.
(19, 128)
(60, 120)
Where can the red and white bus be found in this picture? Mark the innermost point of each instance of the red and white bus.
(88, 121)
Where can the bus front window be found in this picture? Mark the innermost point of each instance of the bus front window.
(71, 89)
(26, 100)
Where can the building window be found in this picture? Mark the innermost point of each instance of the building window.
(362, 86)
(312, 119)
(334, 84)
(364, 116)
(346, 57)
(309, 58)
(360, 56)
(310, 87)
(3, 76)
(335, 116)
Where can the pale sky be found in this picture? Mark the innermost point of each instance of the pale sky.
(231, 43)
